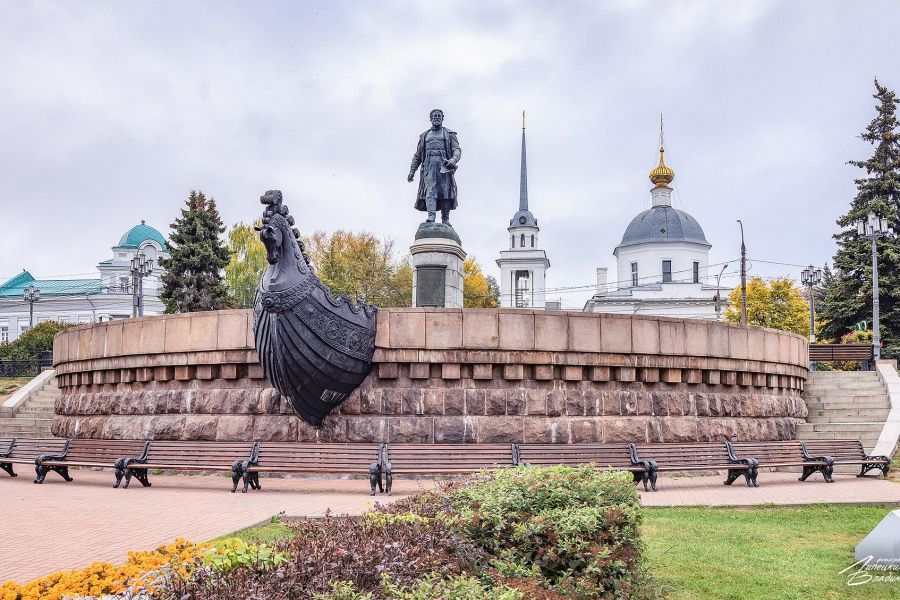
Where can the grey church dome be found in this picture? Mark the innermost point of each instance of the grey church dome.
(663, 224)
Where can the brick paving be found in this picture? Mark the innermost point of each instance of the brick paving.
(64, 526)
(59, 525)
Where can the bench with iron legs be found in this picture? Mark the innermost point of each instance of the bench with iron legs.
(29, 451)
(847, 452)
(189, 456)
(444, 459)
(108, 454)
(781, 454)
(6, 445)
(304, 457)
(698, 456)
(618, 456)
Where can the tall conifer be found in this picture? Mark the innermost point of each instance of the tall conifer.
(849, 299)
(193, 278)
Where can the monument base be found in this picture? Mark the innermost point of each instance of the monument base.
(437, 259)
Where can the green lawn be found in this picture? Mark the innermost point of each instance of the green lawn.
(765, 552)
(8, 385)
(761, 553)
(269, 532)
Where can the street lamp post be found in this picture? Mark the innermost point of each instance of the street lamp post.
(811, 277)
(874, 227)
(743, 277)
(140, 267)
(31, 295)
(719, 291)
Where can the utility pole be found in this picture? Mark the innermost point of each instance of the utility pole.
(743, 277)
(31, 295)
(811, 277)
(873, 228)
(140, 268)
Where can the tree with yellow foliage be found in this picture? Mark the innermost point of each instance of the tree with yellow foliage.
(778, 304)
(361, 265)
(247, 263)
(479, 290)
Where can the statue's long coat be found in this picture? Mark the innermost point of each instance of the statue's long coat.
(451, 150)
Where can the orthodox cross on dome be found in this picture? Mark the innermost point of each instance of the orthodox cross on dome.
(661, 175)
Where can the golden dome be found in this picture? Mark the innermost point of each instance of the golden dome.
(662, 175)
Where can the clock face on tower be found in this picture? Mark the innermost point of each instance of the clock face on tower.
(522, 220)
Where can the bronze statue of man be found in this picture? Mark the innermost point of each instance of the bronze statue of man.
(437, 154)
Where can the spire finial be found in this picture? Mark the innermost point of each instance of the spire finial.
(662, 175)
(523, 181)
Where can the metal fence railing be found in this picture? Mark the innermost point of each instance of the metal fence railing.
(26, 368)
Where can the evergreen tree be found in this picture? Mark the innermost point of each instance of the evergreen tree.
(849, 295)
(193, 279)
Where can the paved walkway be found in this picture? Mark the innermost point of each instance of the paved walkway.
(774, 488)
(58, 526)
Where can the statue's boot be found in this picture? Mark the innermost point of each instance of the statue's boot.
(445, 216)
(431, 205)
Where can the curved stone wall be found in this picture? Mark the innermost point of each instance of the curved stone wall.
(443, 375)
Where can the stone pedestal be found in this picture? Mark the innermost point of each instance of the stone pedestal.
(437, 259)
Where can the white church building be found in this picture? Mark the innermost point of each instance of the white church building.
(523, 266)
(95, 300)
(662, 262)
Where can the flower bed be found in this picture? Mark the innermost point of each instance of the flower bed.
(511, 534)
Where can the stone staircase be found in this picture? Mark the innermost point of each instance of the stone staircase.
(34, 416)
(845, 405)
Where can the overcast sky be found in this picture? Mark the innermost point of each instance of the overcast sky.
(112, 112)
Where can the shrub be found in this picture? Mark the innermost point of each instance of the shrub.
(34, 341)
(358, 553)
(575, 528)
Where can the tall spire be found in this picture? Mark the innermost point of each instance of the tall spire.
(523, 182)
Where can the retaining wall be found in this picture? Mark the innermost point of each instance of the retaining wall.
(443, 375)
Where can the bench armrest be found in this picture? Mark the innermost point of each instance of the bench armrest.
(878, 458)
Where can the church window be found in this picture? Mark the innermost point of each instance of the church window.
(634, 274)
(23, 329)
(4, 335)
(667, 271)
(512, 241)
(696, 272)
(522, 241)
(532, 241)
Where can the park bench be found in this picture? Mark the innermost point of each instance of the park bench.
(697, 456)
(781, 454)
(302, 457)
(108, 454)
(27, 451)
(847, 452)
(864, 353)
(444, 459)
(189, 456)
(604, 456)
(6, 445)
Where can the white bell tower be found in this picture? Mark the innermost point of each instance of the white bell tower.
(523, 266)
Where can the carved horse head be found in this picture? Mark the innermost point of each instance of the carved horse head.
(284, 250)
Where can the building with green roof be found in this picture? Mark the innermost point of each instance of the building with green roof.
(102, 298)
